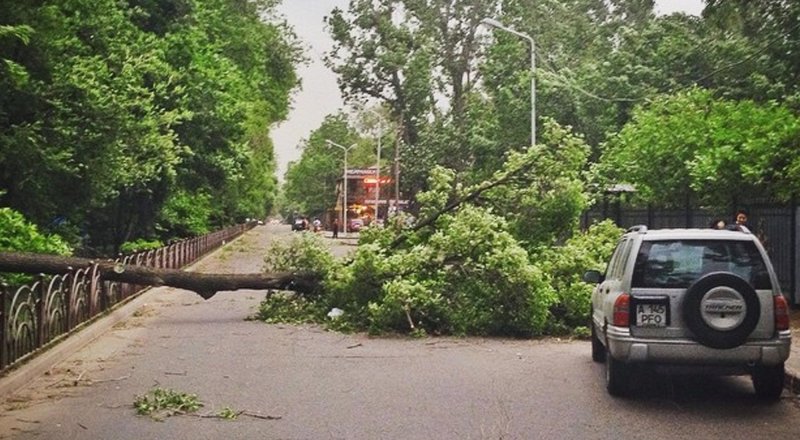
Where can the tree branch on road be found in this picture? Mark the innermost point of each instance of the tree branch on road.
(204, 284)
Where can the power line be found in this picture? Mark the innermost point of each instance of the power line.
(570, 84)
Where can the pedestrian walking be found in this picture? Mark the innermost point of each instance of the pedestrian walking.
(335, 228)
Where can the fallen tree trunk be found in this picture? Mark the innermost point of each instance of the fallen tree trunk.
(204, 284)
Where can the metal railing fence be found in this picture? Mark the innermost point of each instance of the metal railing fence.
(39, 314)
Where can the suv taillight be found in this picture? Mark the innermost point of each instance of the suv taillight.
(622, 310)
(781, 313)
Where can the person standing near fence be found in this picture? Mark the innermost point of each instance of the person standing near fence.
(741, 219)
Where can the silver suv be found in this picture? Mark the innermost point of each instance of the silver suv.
(690, 300)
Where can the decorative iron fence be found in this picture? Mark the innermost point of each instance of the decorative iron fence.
(36, 315)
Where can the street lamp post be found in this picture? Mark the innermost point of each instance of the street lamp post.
(378, 165)
(496, 24)
(344, 177)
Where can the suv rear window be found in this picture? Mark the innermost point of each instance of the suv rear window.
(678, 263)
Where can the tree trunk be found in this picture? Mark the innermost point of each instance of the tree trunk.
(205, 285)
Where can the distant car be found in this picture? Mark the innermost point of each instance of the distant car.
(299, 224)
(355, 225)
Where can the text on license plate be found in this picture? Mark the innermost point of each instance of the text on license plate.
(651, 315)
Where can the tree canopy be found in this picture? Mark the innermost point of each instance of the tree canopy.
(139, 118)
(715, 149)
(460, 91)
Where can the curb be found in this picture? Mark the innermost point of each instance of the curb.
(48, 358)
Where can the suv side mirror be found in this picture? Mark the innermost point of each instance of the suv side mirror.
(593, 277)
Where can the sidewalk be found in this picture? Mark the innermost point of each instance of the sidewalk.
(793, 363)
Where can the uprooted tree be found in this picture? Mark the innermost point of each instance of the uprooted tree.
(501, 257)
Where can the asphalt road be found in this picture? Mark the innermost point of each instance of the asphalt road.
(302, 382)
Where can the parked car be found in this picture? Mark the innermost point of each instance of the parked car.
(690, 300)
(299, 224)
(355, 224)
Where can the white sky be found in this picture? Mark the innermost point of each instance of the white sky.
(320, 95)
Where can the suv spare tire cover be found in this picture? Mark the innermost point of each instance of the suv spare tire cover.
(721, 309)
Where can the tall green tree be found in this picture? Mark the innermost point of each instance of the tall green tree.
(712, 149)
(115, 115)
(310, 185)
(769, 69)
(418, 58)
(86, 130)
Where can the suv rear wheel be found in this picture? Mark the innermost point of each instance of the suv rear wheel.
(768, 381)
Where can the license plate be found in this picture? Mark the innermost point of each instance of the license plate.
(652, 313)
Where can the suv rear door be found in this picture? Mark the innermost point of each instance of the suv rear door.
(612, 285)
(667, 268)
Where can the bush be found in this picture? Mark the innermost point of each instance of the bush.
(289, 308)
(468, 277)
(409, 306)
(567, 264)
(306, 252)
(142, 244)
(18, 234)
(185, 215)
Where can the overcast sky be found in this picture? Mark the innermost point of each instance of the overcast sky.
(320, 93)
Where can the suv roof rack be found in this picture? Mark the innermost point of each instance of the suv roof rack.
(638, 228)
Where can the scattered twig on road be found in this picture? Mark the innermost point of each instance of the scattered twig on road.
(52, 385)
(261, 416)
(176, 373)
(355, 345)
(82, 426)
(75, 381)
(215, 416)
(233, 416)
(112, 379)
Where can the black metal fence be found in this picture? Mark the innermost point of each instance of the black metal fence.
(34, 316)
(775, 224)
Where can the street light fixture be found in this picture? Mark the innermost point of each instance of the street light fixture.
(344, 177)
(496, 24)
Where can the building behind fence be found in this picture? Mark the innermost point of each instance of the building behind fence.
(775, 224)
(34, 316)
